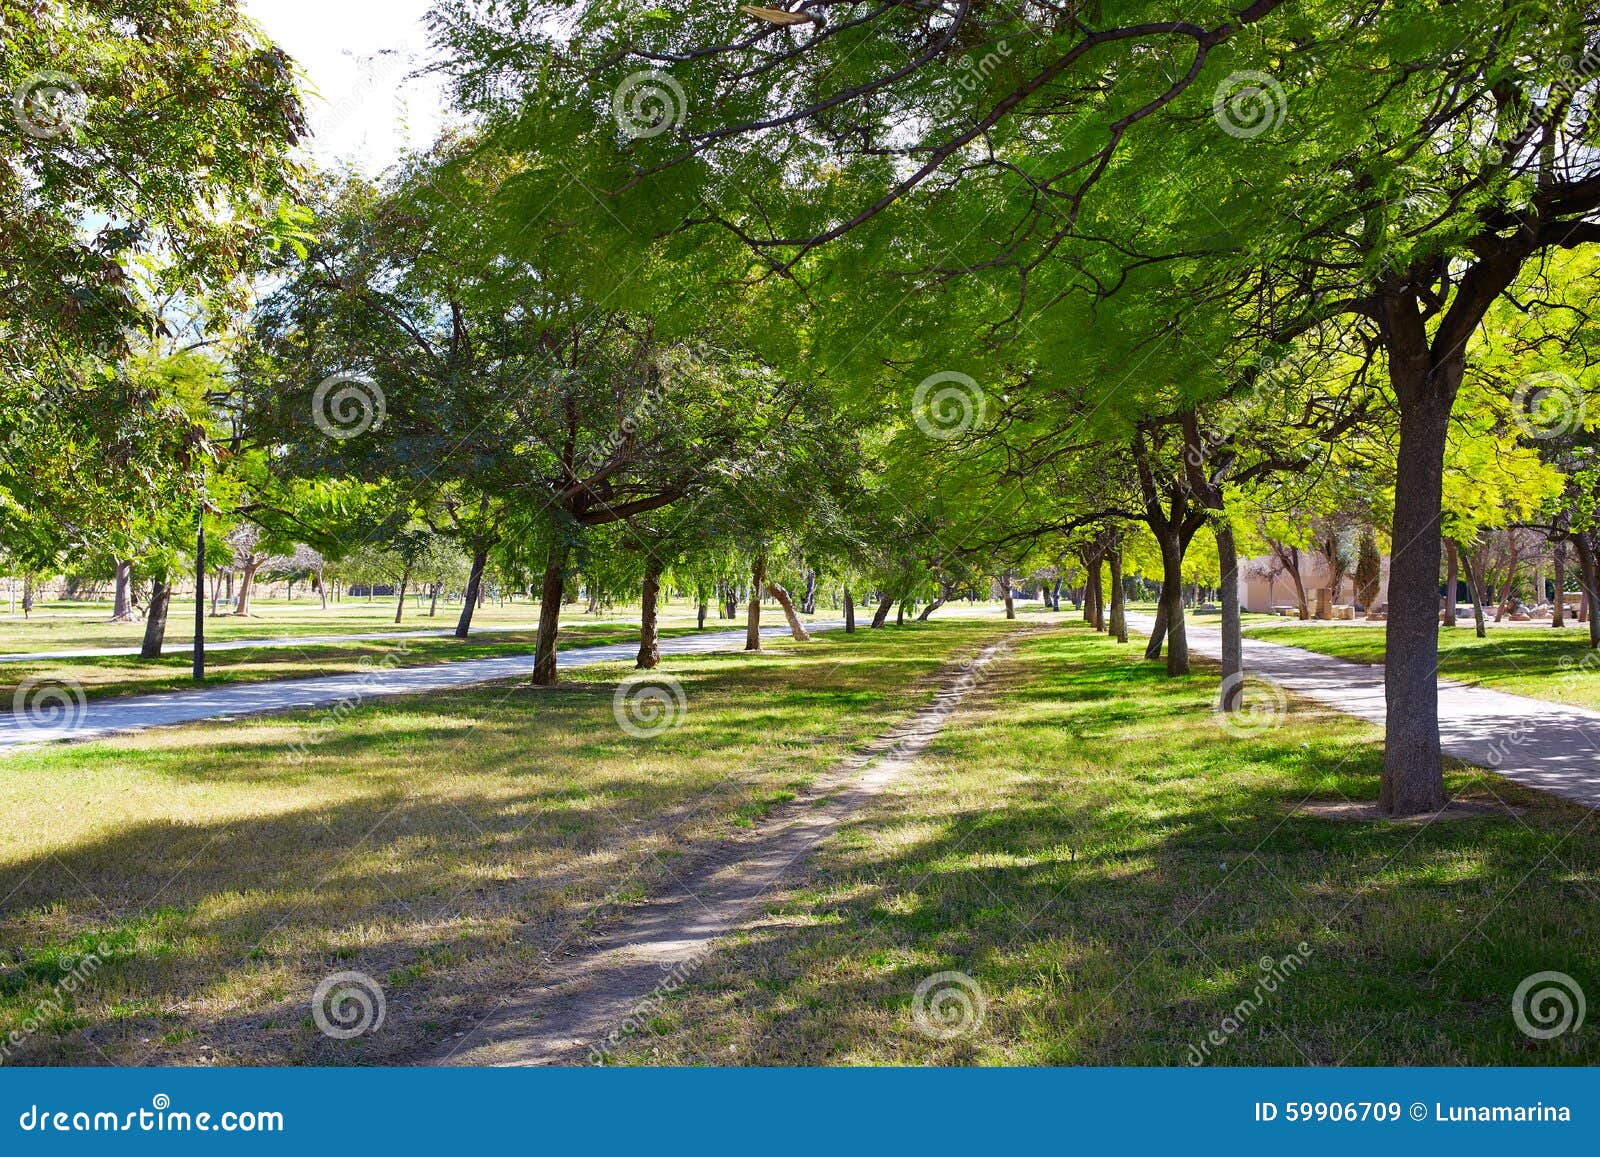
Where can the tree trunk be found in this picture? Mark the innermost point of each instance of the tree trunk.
(1172, 599)
(808, 604)
(1475, 586)
(1232, 630)
(1588, 579)
(1413, 774)
(322, 589)
(469, 598)
(702, 608)
(1451, 567)
(881, 615)
(849, 613)
(1158, 632)
(796, 628)
(27, 595)
(649, 591)
(1005, 582)
(400, 603)
(1558, 612)
(1097, 588)
(938, 601)
(198, 647)
(122, 601)
(555, 577)
(155, 622)
(1119, 596)
(752, 623)
(246, 586)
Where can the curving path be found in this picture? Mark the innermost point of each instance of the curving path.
(90, 720)
(1549, 746)
(186, 647)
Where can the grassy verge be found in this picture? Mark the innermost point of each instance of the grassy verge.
(442, 845)
(1120, 879)
(1537, 661)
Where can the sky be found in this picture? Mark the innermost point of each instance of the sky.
(363, 107)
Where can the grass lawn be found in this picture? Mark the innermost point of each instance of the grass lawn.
(1537, 661)
(443, 845)
(1119, 877)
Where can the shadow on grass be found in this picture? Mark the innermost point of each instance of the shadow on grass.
(1113, 871)
(442, 844)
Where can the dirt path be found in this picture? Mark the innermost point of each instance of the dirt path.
(610, 987)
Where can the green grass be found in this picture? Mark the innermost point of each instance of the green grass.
(1111, 869)
(1536, 661)
(443, 845)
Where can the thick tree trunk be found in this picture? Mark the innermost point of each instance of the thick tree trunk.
(1451, 576)
(1232, 630)
(122, 600)
(649, 591)
(555, 578)
(155, 621)
(27, 595)
(469, 598)
(881, 614)
(808, 604)
(1011, 609)
(796, 627)
(433, 600)
(849, 613)
(938, 601)
(1558, 610)
(702, 607)
(752, 622)
(1119, 596)
(1413, 775)
(1172, 600)
(247, 580)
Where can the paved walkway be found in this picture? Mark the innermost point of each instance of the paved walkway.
(1544, 745)
(100, 717)
(186, 647)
